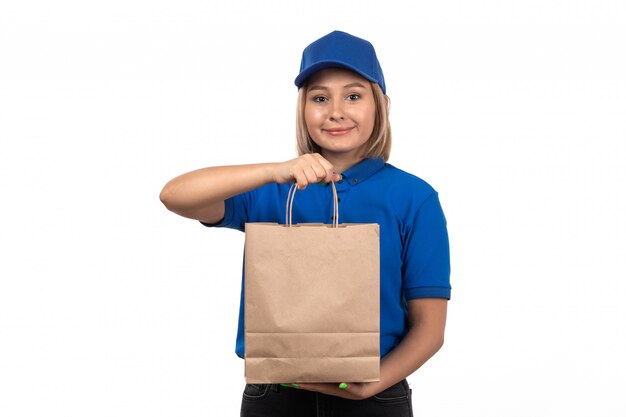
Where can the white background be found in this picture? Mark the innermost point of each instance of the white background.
(110, 305)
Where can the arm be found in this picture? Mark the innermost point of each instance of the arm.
(200, 194)
(427, 318)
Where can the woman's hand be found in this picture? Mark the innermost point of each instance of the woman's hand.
(306, 169)
(352, 391)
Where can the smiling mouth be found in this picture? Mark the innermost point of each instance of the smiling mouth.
(338, 132)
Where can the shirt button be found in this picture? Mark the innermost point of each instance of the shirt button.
(354, 181)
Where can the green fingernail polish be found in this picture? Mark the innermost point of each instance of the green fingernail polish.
(343, 385)
(286, 385)
(295, 385)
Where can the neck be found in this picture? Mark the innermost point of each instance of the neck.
(341, 162)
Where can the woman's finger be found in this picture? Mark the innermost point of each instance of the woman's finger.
(330, 389)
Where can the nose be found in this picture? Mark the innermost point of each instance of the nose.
(336, 110)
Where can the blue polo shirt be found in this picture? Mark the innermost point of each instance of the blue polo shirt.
(414, 248)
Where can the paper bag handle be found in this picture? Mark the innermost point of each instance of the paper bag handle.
(292, 194)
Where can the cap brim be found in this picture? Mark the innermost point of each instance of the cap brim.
(312, 69)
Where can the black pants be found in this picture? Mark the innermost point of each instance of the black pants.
(274, 400)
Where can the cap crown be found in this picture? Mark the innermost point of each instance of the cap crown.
(340, 49)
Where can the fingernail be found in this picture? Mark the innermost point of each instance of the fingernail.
(286, 385)
(343, 385)
(295, 385)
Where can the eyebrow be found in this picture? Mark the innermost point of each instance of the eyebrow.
(321, 87)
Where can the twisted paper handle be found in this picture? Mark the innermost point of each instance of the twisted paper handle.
(292, 194)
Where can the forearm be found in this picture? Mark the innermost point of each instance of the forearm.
(206, 186)
(419, 344)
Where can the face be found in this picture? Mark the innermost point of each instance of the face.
(340, 112)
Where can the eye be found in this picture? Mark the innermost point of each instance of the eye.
(319, 99)
(353, 97)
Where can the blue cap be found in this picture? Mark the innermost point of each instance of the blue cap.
(340, 49)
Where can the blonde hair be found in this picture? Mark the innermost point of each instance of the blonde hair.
(378, 145)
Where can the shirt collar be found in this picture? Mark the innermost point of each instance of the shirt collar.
(363, 170)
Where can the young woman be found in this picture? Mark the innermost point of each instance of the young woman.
(344, 136)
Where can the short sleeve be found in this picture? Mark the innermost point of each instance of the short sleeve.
(426, 252)
(236, 211)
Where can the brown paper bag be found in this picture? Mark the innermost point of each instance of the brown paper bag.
(312, 301)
